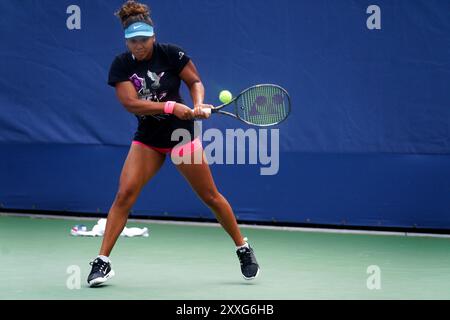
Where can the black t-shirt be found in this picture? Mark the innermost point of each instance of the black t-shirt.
(156, 80)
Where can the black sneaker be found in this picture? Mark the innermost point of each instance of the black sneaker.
(249, 265)
(100, 273)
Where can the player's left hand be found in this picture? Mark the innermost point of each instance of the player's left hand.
(199, 112)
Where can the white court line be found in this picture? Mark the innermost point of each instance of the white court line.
(217, 225)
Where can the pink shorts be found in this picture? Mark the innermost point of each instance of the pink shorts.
(186, 149)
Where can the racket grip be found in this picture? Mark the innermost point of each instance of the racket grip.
(207, 111)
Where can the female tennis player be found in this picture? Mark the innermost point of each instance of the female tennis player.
(147, 81)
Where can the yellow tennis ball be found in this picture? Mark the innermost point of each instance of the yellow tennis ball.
(225, 96)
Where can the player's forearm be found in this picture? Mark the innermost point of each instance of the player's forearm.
(143, 107)
(197, 92)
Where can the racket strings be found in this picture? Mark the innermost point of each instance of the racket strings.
(264, 105)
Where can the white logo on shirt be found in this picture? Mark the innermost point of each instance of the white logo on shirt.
(155, 78)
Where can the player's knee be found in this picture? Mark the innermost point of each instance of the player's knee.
(212, 198)
(126, 196)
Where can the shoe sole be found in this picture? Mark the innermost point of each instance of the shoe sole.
(99, 281)
(252, 278)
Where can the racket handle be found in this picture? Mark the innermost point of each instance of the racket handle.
(207, 111)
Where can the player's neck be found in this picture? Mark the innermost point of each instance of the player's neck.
(149, 56)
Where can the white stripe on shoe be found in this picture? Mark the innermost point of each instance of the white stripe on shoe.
(252, 278)
(99, 281)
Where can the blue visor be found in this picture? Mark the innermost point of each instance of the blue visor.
(139, 29)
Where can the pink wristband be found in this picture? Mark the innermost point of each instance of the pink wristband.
(169, 106)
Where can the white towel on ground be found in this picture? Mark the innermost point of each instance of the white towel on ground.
(99, 229)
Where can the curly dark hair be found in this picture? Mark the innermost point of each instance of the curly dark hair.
(133, 11)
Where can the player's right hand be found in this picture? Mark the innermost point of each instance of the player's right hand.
(183, 112)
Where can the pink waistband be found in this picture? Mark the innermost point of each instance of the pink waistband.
(188, 148)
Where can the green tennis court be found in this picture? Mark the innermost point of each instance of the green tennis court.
(38, 258)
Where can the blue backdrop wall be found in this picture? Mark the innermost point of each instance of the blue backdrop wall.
(367, 143)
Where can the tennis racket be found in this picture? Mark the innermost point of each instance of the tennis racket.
(263, 105)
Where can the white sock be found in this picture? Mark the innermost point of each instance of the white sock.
(241, 247)
(104, 258)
